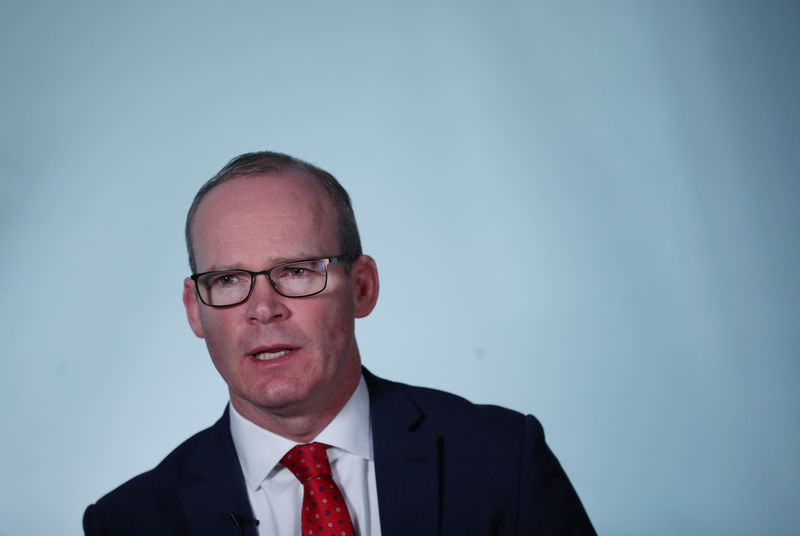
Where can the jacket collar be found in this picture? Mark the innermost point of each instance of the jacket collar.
(407, 468)
(407, 461)
(216, 495)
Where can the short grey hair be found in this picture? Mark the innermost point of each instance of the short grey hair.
(267, 162)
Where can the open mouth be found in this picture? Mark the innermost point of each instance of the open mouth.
(270, 355)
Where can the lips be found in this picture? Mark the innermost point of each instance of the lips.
(273, 351)
(270, 355)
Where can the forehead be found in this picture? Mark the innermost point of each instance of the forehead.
(258, 218)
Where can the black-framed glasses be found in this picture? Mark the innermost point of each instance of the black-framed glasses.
(293, 279)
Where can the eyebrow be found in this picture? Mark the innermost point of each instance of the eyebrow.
(277, 261)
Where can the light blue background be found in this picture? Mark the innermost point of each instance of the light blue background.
(583, 210)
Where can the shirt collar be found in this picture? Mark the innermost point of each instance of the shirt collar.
(260, 451)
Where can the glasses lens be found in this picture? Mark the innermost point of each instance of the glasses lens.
(224, 288)
(299, 278)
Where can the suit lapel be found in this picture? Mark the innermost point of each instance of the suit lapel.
(406, 462)
(217, 489)
(407, 468)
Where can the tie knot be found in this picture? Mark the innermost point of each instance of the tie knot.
(308, 461)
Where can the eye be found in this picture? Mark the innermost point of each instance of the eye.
(225, 279)
(297, 271)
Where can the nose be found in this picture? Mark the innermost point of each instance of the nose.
(265, 304)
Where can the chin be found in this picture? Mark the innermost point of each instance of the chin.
(277, 394)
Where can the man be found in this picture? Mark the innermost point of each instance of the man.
(278, 280)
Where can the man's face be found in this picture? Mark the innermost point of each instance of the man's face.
(281, 357)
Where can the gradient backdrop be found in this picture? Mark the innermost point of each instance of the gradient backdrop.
(583, 210)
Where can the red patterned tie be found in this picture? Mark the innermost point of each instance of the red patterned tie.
(324, 512)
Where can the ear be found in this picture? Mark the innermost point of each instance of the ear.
(364, 277)
(192, 307)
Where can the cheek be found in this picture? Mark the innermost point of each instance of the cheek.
(217, 330)
(338, 327)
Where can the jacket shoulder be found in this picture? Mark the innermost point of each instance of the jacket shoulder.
(171, 471)
(523, 488)
(448, 411)
(152, 497)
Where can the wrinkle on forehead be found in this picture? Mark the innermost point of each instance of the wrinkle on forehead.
(264, 219)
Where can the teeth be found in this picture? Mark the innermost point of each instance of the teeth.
(266, 356)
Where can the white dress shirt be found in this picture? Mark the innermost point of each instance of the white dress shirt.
(276, 495)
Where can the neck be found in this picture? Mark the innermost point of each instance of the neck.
(303, 422)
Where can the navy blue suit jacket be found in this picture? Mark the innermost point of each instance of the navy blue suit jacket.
(443, 466)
